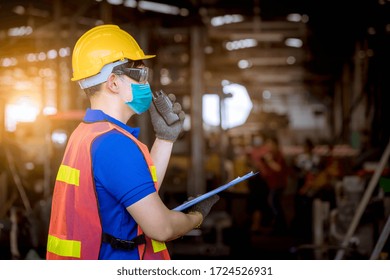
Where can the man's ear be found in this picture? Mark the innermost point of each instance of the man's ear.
(112, 83)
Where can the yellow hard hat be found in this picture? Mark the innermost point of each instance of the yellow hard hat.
(102, 45)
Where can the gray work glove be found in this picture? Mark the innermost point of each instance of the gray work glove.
(160, 112)
(203, 206)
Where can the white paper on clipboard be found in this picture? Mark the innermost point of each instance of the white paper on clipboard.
(198, 199)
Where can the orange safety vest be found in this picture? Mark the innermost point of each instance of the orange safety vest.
(75, 230)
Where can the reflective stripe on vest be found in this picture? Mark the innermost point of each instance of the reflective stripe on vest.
(75, 236)
(65, 248)
(68, 175)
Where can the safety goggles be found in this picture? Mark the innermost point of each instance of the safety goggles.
(140, 75)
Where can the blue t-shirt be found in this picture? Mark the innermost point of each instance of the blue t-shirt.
(122, 178)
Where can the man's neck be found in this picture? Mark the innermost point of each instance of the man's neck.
(115, 110)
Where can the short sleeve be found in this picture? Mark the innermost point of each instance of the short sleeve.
(120, 169)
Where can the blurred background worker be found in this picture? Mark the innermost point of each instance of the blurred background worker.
(105, 202)
(273, 170)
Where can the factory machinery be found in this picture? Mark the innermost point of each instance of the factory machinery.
(358, 226)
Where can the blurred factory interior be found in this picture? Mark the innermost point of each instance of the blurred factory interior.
(242, 70)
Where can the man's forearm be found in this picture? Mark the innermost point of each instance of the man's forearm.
(161, 153)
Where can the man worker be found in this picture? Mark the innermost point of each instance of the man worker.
(105, 201)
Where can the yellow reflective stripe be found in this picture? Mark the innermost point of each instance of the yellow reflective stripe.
(153, 172)
(64, 248)
(158, 246)
(68, 175)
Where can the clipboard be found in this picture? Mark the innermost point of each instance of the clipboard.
(198, 199)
